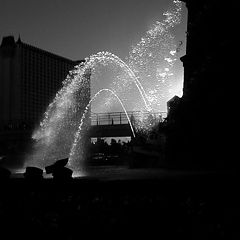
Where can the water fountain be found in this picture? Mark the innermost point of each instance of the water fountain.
(73, 162)
(61, 132)
(70, 107)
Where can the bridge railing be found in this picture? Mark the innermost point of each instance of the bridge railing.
(113, 118)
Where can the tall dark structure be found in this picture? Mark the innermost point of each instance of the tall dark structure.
(29, 80)
(198, 134)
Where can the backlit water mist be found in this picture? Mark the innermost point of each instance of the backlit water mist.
(63, 130)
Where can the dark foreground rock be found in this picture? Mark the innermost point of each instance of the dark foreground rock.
(56, 166)
(59, 171)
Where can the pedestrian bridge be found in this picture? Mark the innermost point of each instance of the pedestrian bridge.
(116, 124)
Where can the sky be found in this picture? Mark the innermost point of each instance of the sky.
(76, 29)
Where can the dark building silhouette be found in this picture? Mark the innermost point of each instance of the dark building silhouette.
(172, 105)
(30, 77)
(29, 80)
(198, 135)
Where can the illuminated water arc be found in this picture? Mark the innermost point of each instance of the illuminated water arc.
(138, 84)
(75, 78)
(103, 55)
(77, 135)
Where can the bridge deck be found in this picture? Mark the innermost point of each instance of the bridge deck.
(116, 124)
(113, 118)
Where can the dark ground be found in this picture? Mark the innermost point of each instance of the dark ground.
(204, 206)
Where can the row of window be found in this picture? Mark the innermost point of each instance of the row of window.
(40, 74)
(43, 57)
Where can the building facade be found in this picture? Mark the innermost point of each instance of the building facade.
(198, 135)
(29, 80)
